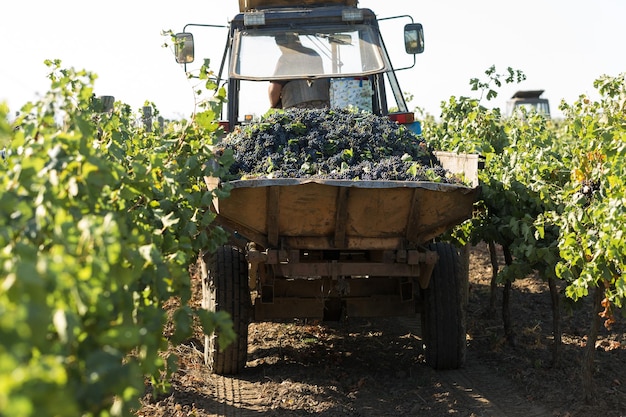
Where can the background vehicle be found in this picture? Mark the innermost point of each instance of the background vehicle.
(531, 100)
(327, 249)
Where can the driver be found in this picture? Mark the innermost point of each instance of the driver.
(297, 59)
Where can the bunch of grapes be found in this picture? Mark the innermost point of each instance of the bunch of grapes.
(331, 144)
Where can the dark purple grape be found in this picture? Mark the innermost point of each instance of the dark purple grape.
(331, 144)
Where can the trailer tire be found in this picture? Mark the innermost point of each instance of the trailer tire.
(225, 288)
(443, 315)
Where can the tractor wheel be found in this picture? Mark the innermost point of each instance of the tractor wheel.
(225, 288)
(443, 317)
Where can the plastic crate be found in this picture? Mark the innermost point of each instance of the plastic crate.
(246, 5)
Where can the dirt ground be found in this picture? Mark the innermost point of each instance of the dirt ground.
(376, 367)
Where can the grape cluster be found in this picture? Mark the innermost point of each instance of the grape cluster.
(330, 144)
(589, 187)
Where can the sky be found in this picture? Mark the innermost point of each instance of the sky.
(561, 45)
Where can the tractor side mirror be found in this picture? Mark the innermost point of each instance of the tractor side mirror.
(340, 39)
(414, 38)
(183, 48)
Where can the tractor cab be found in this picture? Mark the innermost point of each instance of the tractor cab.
(350, 58)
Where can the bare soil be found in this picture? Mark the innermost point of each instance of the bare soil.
(376, 367)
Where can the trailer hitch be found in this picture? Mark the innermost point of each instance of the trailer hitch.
(428, 261)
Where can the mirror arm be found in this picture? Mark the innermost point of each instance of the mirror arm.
(409, 67)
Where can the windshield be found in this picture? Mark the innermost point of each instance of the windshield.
(267, 54)
(541, 107)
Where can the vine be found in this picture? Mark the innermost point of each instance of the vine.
(552, 195)
(100, 222)
(591, 221)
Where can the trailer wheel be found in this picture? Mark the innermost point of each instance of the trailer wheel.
(443, 317)
(225, 288)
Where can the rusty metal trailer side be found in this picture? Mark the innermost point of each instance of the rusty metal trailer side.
(332, 214)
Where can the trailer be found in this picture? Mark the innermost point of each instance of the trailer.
(330, 249)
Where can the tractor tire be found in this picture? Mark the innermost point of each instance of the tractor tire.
(225, 288)
(443, 316)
